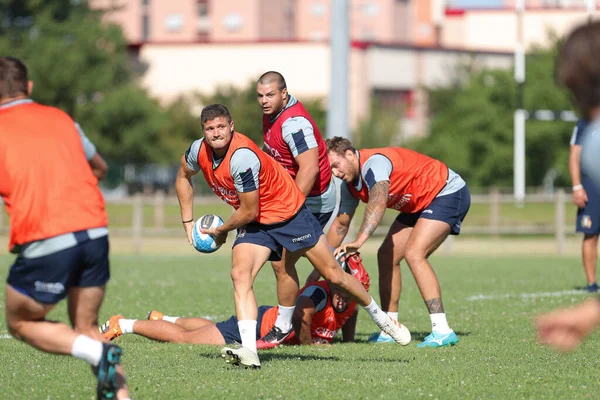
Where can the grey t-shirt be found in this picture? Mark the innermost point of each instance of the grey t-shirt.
(590, 152)
(299, 135)
(244, 166)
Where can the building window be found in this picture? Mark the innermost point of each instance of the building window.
(370, 9)
(396, 100)
(202, 8)
(233, 22)
(174, 22)
(317, 9)
(145, 27)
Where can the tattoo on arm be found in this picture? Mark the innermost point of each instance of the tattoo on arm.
(341, 230)
(375, 207)
(435, 306)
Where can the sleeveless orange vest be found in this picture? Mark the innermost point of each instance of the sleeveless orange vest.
(279, 197)
(415, 180)
(45, 180)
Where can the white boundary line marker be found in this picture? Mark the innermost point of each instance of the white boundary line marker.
(524, 296)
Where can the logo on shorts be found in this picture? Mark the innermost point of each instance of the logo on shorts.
(241, 233)
(586, 221)
(48, 287)
(301, 238)
(428, 211)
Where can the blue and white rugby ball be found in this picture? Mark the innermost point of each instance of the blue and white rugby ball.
(202, 242)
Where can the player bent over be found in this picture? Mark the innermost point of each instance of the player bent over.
(321, 310)
(270, 216)
(433, 201)
(57, 228)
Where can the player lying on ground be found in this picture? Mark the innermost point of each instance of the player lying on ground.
(321, 310)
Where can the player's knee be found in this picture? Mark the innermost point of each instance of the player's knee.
(335, 276)
(240, 275)
(414, 255)
(14, 328)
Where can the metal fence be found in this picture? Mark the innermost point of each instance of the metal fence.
(154, 216)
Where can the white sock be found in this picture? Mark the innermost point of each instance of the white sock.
(170, 319)
(284, 318)
(126, 325)
(393, 315)
(87, 349)
(439, 323)
(247, 329)
(377, 315)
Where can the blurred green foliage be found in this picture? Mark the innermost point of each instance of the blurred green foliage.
(472, 123)
(85, 67)
(247, 114)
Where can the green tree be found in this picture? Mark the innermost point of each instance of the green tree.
(379, 129)
(472, 124)
(81, 65)
(246, 112)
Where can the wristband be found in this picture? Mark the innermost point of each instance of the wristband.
(185, 222)
(577, 187)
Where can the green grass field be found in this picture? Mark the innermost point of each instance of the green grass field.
(497, 356)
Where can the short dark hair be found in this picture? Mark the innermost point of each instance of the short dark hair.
(273, 76)
(13, 78)
(339, 145)
(213, 111)
(577, 66)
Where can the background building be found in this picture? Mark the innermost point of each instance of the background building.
(398, 46)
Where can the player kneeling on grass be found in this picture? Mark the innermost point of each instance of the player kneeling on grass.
(270, 217)
(321, 311)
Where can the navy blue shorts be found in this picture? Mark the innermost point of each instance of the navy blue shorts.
(588, 218)
(47, 279)
(451, 208)
(230, 330)
(302, 231)
(323, 218)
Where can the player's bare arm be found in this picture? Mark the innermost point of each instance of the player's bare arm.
(374, 211)
(302, 319)
(185, 195)
(308, 169)
(579, 194)
(99, 166)
(247, 213)
(339, 229)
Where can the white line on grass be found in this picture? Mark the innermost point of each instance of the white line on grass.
(480, 297)
(5, 336)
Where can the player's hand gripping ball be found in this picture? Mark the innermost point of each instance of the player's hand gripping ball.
(203, 242)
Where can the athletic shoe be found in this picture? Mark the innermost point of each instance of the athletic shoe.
(437, 339)
(111, 329)
(106, 372)
(272, 339)
(398, 332)
(592, 288)
(380, 337)
(155, 316)
(238, 355)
